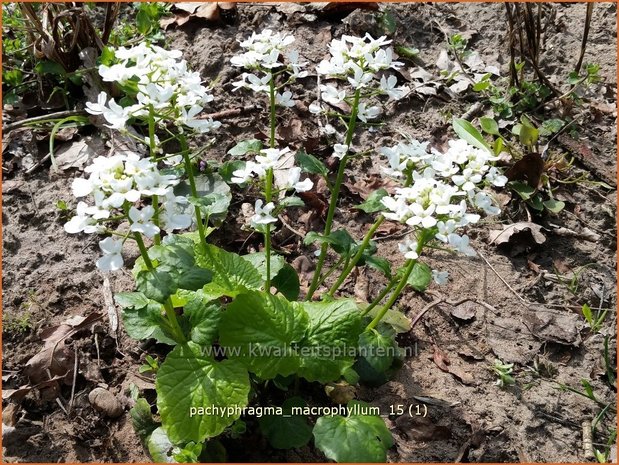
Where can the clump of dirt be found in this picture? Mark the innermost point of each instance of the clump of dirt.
(524, 303)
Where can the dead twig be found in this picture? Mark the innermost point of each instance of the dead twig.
(502, 279)
(43, 119)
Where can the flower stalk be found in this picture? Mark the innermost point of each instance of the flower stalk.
(335, 194)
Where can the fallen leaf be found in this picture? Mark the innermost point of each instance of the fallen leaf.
(79, 153)
(340, 393)
(466, 311)
(184, 12)
(511, 232)
(441, 359)
(529, 168)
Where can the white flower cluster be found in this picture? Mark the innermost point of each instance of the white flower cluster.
(268, 160)
(159, 79)
(445, 186)
(120, 182)
(358, 60)
(263, 53)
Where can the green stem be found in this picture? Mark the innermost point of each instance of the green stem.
(269, 181)
(334, 195)
(332, 269)
(410, 264)
(380, 297)
(364, 244)
(192, 185)
(169, 308)
(151, 143)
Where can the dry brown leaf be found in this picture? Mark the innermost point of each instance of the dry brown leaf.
(510, 232)
(441, 359)
(529, 168)
(340, 393)
(466, 311)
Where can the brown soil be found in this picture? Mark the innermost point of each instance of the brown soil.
(518, 312)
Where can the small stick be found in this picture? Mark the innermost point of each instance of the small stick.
(585, 37)
(230, 113)
(62, 406)
(97, 349)
(43, 118)
(74, 380)
(501, 278)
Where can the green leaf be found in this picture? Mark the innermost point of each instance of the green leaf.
(379, 263)
(356, 438)
(142, 419)
(147, 322)
(259, 261)
(227, 169)
(535, 202)
(211, 204)
(489, 125)
(310, 164)
(262, 331)
(189, 454)
(522, 189)
(334, 328)
(551, 126)
(202, 316)
(107, 56)
(176, 256)
(467, 131)
(373, 203)
(528, 133)
(394, 318)
(377, 348)
(49, 67)
(245, 147)
(481, 85)
(160, 448)
(187, 379)
(554, 206)
(420, 277)
(13, 77)
(156, 285)
(287, 282)
(588, 314)
(213, 194)
(407, 52)
(388, 22)
(291, 201)
(231, 273)
(287, 431)
(131, 299)
(341, 241)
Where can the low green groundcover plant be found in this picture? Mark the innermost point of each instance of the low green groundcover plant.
(238, 324)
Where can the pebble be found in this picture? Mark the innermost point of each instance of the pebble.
(105, 402)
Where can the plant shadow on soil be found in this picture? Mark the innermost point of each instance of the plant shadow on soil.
(50, 276)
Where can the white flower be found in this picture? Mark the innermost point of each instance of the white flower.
(285, 99)
(270, 157)
(243, 175)
(364, 113)
(99, 107)
(296, 65)
(467, 180)
(331, 95)
(422, 216)
(262, 215)
(340, 150)
(112, 259)
(360, 78)
(440, 277)
(140, 221)
(495, 177)
(461, 244)
(293, 181)
(81, 187)
(315, 107)
(409, 249)
(484, 201)
(388, 86)
(116, 115)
